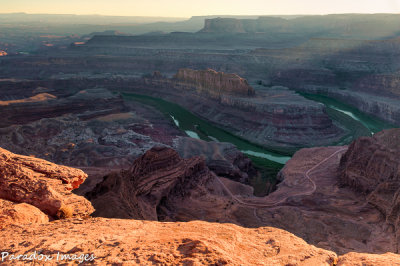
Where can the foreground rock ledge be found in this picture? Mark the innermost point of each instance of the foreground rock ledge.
(133, 242)
(146, 243)
(24, 230)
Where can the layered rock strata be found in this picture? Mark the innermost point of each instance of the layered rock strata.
(215, 83)
(372, 167)
(276, 117)
(308, 202)
(42, 184)
(87, 104)
(110, 241)
(155, 178)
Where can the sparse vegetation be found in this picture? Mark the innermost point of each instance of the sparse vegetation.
(64, 212)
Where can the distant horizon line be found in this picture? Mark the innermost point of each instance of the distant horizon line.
(236, 15)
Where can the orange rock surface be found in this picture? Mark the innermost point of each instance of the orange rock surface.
(45, 185)
(147, 243)
(25, 230)
(20, 213)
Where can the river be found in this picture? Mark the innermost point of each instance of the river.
(267, 161)
(196, 127)
(370, 124)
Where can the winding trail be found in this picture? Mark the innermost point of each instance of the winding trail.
(272, 204)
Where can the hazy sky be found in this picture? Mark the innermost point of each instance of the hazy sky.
(187, 8)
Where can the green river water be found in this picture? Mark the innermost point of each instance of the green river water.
(269, 162)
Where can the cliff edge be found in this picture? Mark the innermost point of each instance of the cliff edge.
(371, 166)
(215, 83)
(82, 239)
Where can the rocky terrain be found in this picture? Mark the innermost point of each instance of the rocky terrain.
(361, 73)
(84, 128)
(144, 191)
(310, 202)
(280, 119)
(371, 167)
(86, 103)
(69, 104)
(36, 191)
(215, 83)
(29, 217)
(358, 26)
(224, 159)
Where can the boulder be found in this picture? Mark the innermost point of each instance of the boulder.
(20, 213)
(45, 185)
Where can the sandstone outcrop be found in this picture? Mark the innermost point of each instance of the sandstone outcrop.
(215, 83)
(150, 242)
(42, 184)
(114, 241)
(356, 259)
(20, 213)
(372, 167)
(143, 192)
(130, 242)
(106, 141)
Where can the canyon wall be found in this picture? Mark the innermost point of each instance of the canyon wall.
(335, 25)
(215, 83)
(372, 167)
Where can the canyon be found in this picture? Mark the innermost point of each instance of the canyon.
(215, 83)
(223, 140)
(312, 201)
(58, 223)
(279, 119)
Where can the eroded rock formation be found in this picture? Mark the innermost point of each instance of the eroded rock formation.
(215, 83)
(87, 103)
(223, 25)
(275, 118)
(45, 185)
(143, 192)
(111, 241)
(372, 167)
(20, 213)
(162, 186)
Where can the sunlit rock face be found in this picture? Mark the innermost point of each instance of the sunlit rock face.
(42, 184)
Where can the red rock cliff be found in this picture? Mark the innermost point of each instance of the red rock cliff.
(215, 82)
